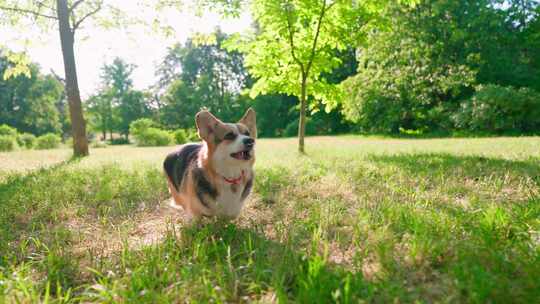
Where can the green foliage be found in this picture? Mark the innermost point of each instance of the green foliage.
(7, 143)
(499, 110)
(140, 125)
(199, 75)
(296, 39)
(48, 141)
(30, 103)
(415, 71)
(146, 135)
(292, 128)
(119, 141)
(182, 136)
(8, 131)
(406, 78)
(117, 104)
(26, 140)
(154, 137)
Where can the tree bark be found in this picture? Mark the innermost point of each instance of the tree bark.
(78, 124)
(302, 121)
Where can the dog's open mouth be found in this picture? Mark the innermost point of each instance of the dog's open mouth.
(242, 155)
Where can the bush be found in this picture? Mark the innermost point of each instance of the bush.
(498, 109)
(26, 140)
(8, 131)
(48, 141)
(139, 126)
(7, 143)
(154, 137)
(192, 135)
(119, 141)
(182, 136)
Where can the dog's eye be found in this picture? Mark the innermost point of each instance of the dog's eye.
(230, 136)
(247, 133)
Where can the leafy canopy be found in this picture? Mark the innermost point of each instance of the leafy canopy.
(299, 38)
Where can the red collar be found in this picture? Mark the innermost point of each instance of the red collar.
(235, 181)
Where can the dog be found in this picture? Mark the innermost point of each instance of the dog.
(214, 177)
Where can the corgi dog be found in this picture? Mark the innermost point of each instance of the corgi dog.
(214, 177)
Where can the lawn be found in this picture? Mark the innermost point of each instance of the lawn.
(356, 219)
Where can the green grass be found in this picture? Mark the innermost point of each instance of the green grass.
(356, 219)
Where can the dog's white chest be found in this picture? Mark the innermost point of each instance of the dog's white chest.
(229, 201)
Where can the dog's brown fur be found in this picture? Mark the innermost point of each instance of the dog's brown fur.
(196, 177)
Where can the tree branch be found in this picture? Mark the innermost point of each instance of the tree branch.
(26, 11)
(77, 24)
(74, 6)
(318, 31)
(58, 77)
(42, 4)
(291, 40)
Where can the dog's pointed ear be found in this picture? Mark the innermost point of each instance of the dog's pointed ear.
(249, 120)
(206, 124)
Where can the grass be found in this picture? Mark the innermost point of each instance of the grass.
(356, 219)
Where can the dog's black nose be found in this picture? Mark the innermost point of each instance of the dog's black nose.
(249, 142)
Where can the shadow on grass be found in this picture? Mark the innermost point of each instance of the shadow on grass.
(12, 213)
(224, 262)
(468, 166)
(36, 203)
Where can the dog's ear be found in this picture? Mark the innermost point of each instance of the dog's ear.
(249, 120)
(207, 125)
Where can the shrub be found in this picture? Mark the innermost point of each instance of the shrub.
(498, 109)
(192, 134)
(8, 131)
(154, 137)
(48, 141)
(139, 126)
(119, 141)
(7, 143)
(26, 140)
(182, 136)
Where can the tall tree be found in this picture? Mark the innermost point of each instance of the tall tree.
(295, 42)
(101, 113)
(414, 73)
(118, 103)
(69, 16)
(200, 73)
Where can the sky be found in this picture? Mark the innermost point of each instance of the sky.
(95, 46)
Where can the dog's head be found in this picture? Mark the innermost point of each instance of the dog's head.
(228, 143)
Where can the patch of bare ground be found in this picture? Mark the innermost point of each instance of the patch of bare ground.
(259, 215)
(144, 228)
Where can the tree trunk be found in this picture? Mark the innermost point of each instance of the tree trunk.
(302, 121)
(78, 125)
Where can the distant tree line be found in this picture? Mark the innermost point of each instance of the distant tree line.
(440, 66)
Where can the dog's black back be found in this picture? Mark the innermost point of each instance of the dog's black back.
(177, 163)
